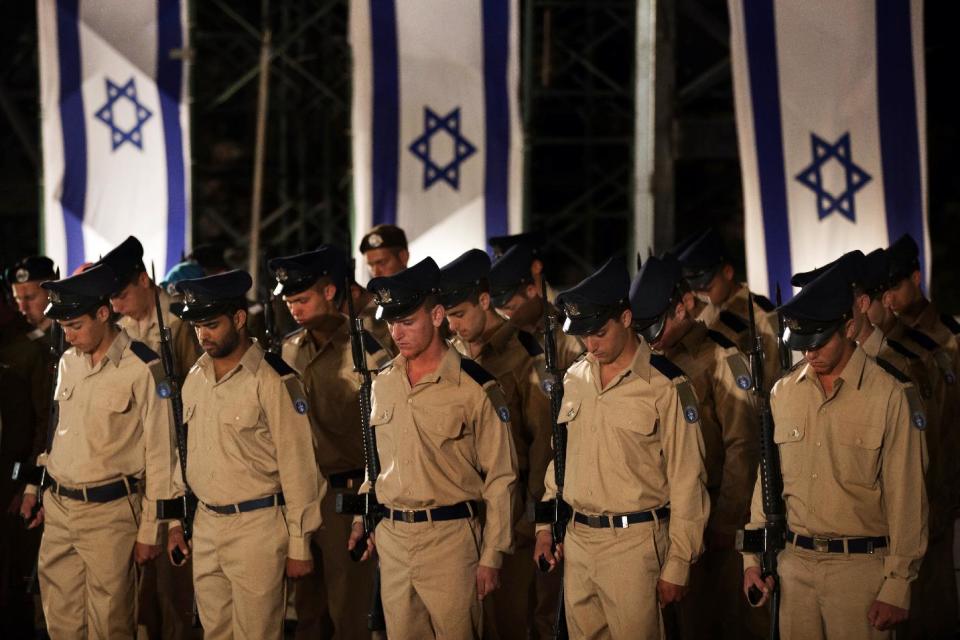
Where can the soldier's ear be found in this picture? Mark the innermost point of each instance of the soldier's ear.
(437, 315)
(484, 300)
(915, 279)
(689, 302)
(240, 319)
(728, 272)
(626, 318)
(329, 292)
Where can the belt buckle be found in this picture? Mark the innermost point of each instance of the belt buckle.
(821, 545)
(408, 516)
(597, 522)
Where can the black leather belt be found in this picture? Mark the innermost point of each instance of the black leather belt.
(103, 493)
(453, 512)
(275, 500)
(622, 520)
(837, 545)
(346, 479)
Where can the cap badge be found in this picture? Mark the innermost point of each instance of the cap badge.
(281, 274)
(571, 309)
(374, 240)
(22, 275)
(384, 295)
(55, 297)
(188, 297)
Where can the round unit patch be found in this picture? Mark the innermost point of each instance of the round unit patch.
(691, 414)
(744, 382)
(164, 390)
(504, 414)
(919, 420)
(300, 405)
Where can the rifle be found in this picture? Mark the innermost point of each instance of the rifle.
(771, 539)
(786, 357)
(364, 505)
(554, 512)
(270, 322)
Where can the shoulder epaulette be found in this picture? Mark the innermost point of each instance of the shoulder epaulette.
(665, 366)
(720, 339)
(732, 320)
(278, 364)
(370, 344)
(293, 333)
(902, 350)
(480, 375)
(764, 302)
(892, 370)
(922, 339)
(143, 352)
(950, 322)
(529, 342)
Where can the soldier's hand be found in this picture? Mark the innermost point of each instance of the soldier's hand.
(668, 593)
(883, 616)
(299, 568)
(144, 553)
(26, 511)
(751, 578)
(488, 581)
(355, 534)
(544, 549)
(175, 540)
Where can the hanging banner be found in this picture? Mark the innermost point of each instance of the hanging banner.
(437, 145)
(830, 105)
(115, 126)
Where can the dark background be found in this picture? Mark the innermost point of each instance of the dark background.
(577, 97)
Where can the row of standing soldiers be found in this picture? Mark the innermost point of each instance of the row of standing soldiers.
(260, 439)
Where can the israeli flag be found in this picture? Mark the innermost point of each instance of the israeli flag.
(437, 146)
(115, 128)
(832, 131)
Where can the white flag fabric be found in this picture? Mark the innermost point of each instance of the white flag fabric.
(115, 129)
(831, 126)
(437, 146)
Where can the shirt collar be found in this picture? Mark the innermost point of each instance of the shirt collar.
(448, 369)
(874, 342)
(639, 365)
(852, 372)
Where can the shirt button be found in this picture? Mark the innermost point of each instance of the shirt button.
(795, 433)
(818, 443)
(409, 400)
(814, 476)
(859, 441)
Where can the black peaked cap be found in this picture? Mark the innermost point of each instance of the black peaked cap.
(126, 260)
(299, 272)
(875, 274)
(31, 269)
(401, 294)
(223, 293)
(903, 258)
(509, 272)
(464, 276)
(532, 239)
(596, 299)
(702, 258)
(651, 292)
(819, 310)
(851, 263)
(80, 294)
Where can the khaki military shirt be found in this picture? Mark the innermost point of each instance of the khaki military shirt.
(446, 440)
(853, 465)
(530, 316)
(112, 425)
(728, 419)
(518, 366)
(333, 388)
(635, 446)
(732, 319)
(183, 340)
(249, 437)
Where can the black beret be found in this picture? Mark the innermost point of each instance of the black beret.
(651, 292)
(701, 258)
(384, 236)
(299, 272)
(903, 258)
(74, 296)
(532, 239)
(126, 260)
(210, 256)
(875, 272)
(851, 263)
(464, 276)
(401, 294)
(599, 297)
(220, 294)
(819, 310)
(509, 272)
(30, 269)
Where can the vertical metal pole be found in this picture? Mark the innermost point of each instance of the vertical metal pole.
(263, 101)
(664, 200)
(527, 83)
(644, 137)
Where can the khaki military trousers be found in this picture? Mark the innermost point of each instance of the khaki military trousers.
(239, 567)
(428, 574)
(86, 568)
(610, 580)
(334, 600)
(828, 595)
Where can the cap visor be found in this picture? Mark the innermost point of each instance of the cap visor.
(394, 312)
(653, 329)
(583, 326)
(808, 341)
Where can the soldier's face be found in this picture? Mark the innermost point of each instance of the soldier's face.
(414, 333)
(673, 328)
(220, 336)
(830, 357)
(135, 299)
(307, 307)
(719, 288)
(467, 320)
(31, 301)
(386, 262)
(520, 298)
(878, 314)
(904, 295)
(608, 343)
(87, 331)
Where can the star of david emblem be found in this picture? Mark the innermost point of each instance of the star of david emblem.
(424, 150)
(812, 176)
(116, 114)
(385, 297)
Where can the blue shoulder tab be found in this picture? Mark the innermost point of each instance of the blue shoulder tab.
(277, 363)
(763, 302)
(922, 339)
(665, 366)
(732, 320)
(951, 323)
(901, 349)
(529, 342)
(480, 375)
(143, 352)
(720, 339)
(887, 366)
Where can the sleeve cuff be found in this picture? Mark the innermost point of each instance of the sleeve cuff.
(675, 571)
(543, 527)
(491, 558)
(896, 592)
(174, 524)
(149, 532)
(30, 490)
(750, 560)
(299, 548)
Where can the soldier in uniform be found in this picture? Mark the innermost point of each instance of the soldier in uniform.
(333, 600)
(516, 359)
(707, 269)
(446, 456)
(384, 248)
(634, 471)
(662, 307)
(251, 465)
(25, 278)
(105, 470)
(852, 455)
(515, 296)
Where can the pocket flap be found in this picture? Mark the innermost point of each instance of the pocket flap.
(569, 410)
(240, 416)
(188, 412)
(381, 415)
(865, 436)
(116, 402)
(789, 429)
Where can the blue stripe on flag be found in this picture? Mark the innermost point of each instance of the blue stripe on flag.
(386, 110)
(496, 48)
(72, 122)
(169, 86)
(899, 135)
(761, 42)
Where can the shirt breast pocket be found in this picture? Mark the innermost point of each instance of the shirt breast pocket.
(382, 423)
(439, 425)
(113, 402)
(858, 459)
(789, 433)
(242, 417)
